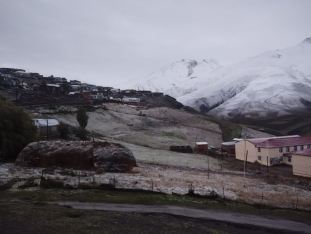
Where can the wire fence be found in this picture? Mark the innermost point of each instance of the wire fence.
(254, 194)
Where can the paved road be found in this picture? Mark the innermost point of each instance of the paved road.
(197, 213)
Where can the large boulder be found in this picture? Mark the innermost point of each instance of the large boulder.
(86, 155)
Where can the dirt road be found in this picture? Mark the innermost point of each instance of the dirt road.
(224, 216)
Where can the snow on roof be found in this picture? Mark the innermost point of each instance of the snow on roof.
(306, 152)
(44, 122)
(53, 85)
(237, 139)
(201, 143)
(262, 139)
(229, 143)
(280, 141)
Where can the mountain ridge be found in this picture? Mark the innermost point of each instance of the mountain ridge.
(272, 83)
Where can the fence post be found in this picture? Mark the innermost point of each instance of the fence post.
(207, 163)
(297, 202)
(152, 185)
(78, 179)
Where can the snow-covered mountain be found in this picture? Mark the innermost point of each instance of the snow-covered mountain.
(176, 80)
(274, 83)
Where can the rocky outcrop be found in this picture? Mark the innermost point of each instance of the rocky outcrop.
(110, 157)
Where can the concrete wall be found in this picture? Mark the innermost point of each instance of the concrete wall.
(240, 153)
(301, 165)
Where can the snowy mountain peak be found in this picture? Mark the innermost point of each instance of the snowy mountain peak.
(274, 83)
(307, 40)
(210, 61)
(178, 79)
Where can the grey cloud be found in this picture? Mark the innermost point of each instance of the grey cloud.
(107, 41)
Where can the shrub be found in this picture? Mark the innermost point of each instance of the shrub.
(63, 130)
(16, 129)
(82, 117)
(81, 133)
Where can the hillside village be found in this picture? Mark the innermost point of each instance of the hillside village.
(24, 88)
(178, 150)
(31, 89)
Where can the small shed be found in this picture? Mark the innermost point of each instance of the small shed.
(201, 147)
(47, 127)
(228, 147)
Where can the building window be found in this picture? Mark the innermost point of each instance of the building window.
(259, 150)
(259, 158)
(289, 160)
(301, 147)
(295, 148)
(308, 146)
(287, 149)
(281, 150)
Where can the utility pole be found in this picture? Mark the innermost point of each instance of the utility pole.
(207, 164)
(47, 129)
(244, 154)
(246, 160)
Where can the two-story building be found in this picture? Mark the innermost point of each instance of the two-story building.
(270, 151)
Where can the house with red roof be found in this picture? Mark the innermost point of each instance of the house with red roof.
(272, 150)
(302, 163)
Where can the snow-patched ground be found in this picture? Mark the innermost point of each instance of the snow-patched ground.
(149, 137)
(169, 180)
(160, 128)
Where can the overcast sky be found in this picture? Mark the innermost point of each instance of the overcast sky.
(109, 41)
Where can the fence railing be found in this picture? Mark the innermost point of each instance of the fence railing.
(91, 180)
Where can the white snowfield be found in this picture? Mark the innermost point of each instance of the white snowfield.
(177, 80)
(273, 83)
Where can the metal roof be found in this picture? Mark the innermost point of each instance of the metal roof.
(306, 152)
(229, 143)
(276, 142)
(201, 143)
(238, 139)
(53, 85)
(44, 122)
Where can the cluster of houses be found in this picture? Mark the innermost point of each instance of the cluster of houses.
(19, 78)
(292, 150)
